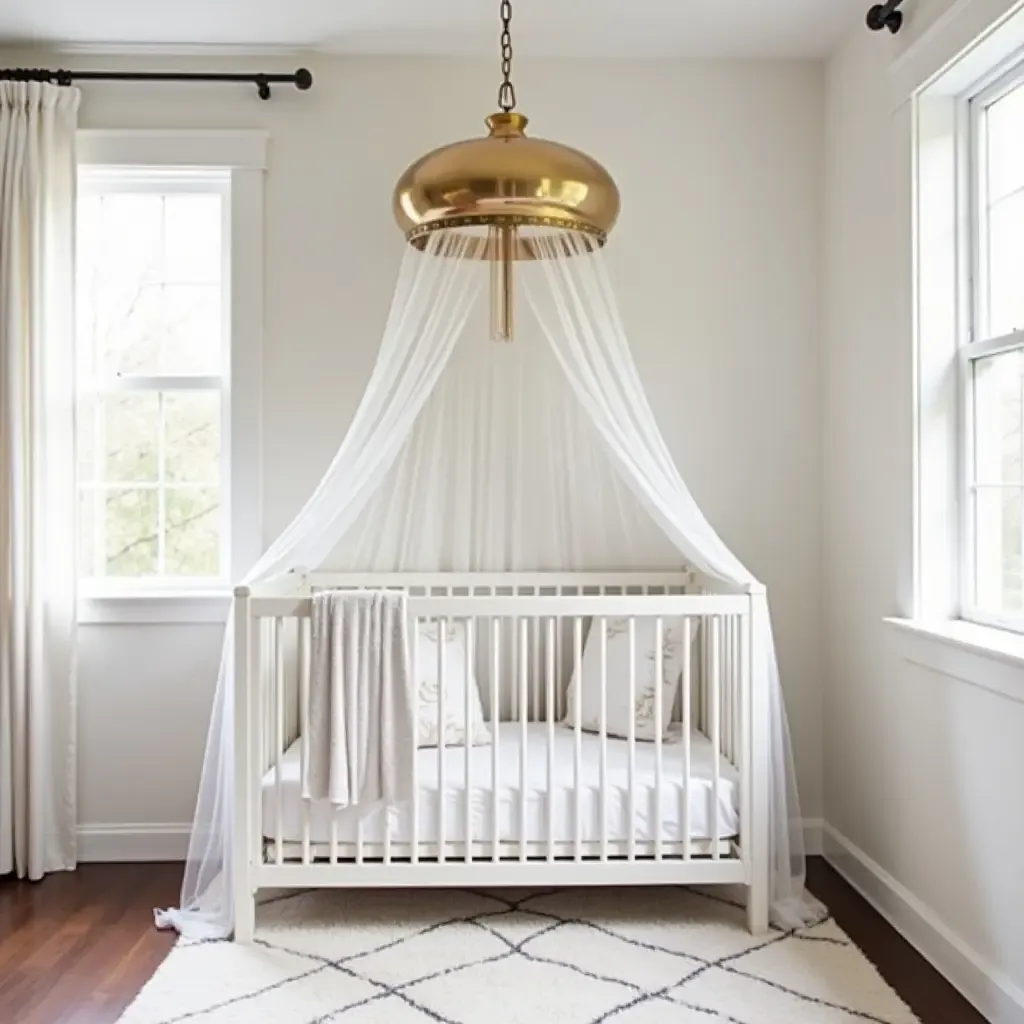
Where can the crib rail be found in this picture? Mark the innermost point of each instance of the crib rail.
(582, 798)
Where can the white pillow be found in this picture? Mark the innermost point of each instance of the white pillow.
(455, 683)
(618, 710)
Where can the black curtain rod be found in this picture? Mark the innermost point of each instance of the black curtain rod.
(885, 15)
(301, 79)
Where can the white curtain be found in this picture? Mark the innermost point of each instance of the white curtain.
(37, 500)
(475, 456)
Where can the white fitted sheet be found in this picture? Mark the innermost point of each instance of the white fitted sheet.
(510, 810)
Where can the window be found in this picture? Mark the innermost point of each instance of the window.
(168, 345)
(153, 303)
(992, 361)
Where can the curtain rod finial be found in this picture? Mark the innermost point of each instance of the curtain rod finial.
(885, 16)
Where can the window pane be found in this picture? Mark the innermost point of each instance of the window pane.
(1006, 265)
(129, 246)
(1005, 131)
(193, 531)
(998, 530)
(131, 520)
(125, 433)
(192, 436)
(128, 323)
(999, 419)
(149, 283)
(191, 329)
(193, 249)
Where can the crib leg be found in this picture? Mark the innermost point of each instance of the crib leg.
(245, 917)
(757, 908)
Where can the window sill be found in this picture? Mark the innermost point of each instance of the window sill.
(205, 606)
(982, 656)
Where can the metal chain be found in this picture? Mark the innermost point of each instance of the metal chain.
(506, 91)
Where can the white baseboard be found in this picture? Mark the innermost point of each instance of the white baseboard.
(997, 998)
(813, 830)
(138, 841)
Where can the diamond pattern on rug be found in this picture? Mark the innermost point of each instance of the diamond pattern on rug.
(515, 926)
(651, 914)
(626, 956)
(425, 954)
(584, 948)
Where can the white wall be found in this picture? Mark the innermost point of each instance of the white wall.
(922, 767)
(716, 260)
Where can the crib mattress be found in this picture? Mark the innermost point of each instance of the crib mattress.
(614, 807)
(512, 814)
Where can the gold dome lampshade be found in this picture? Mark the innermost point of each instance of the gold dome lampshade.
(499, 185)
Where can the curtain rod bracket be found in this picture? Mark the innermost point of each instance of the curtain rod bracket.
(885, 15)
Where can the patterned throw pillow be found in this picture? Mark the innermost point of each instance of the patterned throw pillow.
(618, 703)
(455, 683)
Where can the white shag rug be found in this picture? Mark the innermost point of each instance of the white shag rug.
(571, 956)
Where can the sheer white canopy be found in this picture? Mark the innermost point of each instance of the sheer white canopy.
(469, 455)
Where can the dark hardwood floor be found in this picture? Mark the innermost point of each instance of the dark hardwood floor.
(76, 948)
(919, 985)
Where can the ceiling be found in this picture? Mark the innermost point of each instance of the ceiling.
(619, 28)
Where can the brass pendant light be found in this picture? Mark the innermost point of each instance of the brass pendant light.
(507, 188)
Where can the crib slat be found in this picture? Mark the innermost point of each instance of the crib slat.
(559, 690)
(536, 681)
(659, 676)
(442, 790)
(631, 738)
(385, 811)
(715, 731)
(550, 652)
(354, 719)
(513, 644)
(468, 725)
(705, 660)
(523, 752)
(603, 627)
(746, 764)
(304, 625)
(414, 656)
(724, 695)
(495, 733)
(257, 725)
(734, 684)
(737, 626)
(687, 726)
(730, 689)
(577, 661)
(279, 736)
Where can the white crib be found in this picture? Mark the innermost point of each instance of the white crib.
(546, 803)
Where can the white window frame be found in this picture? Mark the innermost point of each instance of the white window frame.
(974, 344)
(239, 160)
